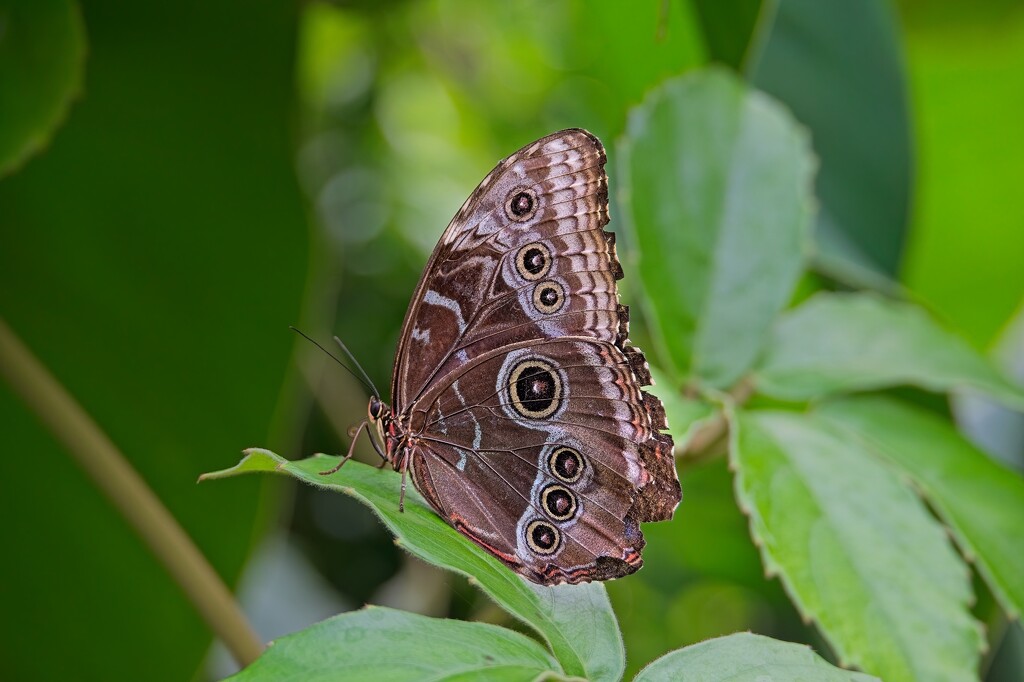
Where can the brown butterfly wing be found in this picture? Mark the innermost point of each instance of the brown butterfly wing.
(582, 460)
(464, 292)
(525, 273)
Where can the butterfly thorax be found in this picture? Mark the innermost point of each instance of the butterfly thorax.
(392, 432)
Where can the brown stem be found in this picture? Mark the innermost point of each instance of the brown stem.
(111, 472)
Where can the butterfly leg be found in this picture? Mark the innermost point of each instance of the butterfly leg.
(351, 449)
(383, 457)
(405, 470)
(401, 497)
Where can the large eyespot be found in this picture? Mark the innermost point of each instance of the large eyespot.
(521, 204)
(566, 464)
(533, 261)
(542, 537)
(548, 297)
(535, 389)
(558, 502)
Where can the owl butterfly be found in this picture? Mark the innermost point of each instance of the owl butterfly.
(516, 400)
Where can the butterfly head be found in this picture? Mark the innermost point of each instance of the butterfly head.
(380, 416)
(376, 409)
(388, 429)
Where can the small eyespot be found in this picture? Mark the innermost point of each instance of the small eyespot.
(548, 297)
(533, 261)
(535, 389)
(558, 502)
(542, 537)
(521, 204)
(566, 464)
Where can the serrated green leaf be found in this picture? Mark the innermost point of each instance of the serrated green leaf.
(42, 58)
(853, 342)
(979, 499)
(855, 549)
(576, 620)
(385, 645)
(745, 657)
(714, 184)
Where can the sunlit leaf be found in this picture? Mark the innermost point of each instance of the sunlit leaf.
(856, 550)
(854, 342)
(981, 500)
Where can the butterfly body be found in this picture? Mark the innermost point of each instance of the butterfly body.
(517, 406)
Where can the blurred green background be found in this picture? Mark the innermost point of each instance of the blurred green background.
(200, 175)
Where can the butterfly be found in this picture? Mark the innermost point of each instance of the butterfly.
(516, 399)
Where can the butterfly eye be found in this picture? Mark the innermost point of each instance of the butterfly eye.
(533, 261)
(521, 204)
(535, 389)
(559, 502)
(566, 464)
(542, 537)
(375, 408)
(548, 297)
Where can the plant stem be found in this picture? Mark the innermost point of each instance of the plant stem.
(110, 471)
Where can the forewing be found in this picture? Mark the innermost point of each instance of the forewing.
(524, 258)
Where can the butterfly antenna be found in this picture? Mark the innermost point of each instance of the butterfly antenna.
(355, 362)
(364, 380)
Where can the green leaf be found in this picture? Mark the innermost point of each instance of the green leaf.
(812, 57)
(855, 342)
(42, 59)
(715, 193)
(979, 499)
(744, 657)
(685, 415)
(575, 620)
(856, 550)
(383, 644)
